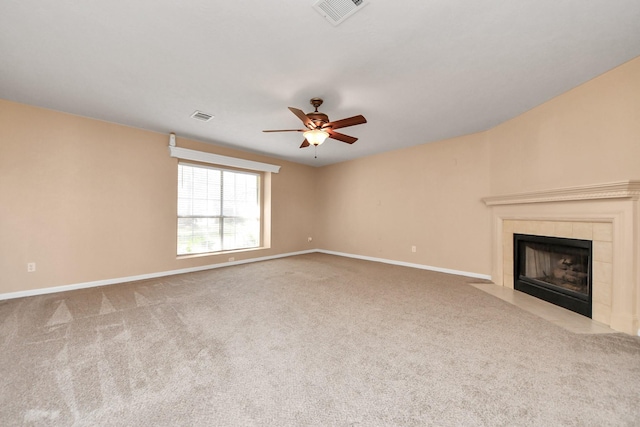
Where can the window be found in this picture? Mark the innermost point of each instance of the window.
(218, 209)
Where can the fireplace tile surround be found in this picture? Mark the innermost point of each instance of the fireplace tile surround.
(606, 214)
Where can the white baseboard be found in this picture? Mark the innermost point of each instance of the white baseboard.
(409, 264)
(52, 290)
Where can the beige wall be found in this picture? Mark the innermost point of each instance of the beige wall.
(589, 135)
(89, 200)
(429, 196)
(426, 196)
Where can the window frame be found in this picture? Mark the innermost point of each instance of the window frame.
(261, 177)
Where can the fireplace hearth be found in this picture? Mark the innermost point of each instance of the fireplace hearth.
(557, 270)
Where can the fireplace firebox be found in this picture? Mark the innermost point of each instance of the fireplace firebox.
(557, 270)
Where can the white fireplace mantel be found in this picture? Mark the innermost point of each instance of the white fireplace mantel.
(613, 190)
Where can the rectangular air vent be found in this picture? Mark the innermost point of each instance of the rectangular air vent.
(199, 115)
(336, 11)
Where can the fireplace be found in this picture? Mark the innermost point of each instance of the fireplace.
(555, 269)
(607, 214)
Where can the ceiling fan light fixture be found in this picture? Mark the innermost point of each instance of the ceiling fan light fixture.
(316, 136)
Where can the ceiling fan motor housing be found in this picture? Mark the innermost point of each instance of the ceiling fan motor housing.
(318, 119)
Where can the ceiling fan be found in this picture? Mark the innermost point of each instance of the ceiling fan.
(319, 128)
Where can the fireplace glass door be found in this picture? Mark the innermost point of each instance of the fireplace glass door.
(555, 269)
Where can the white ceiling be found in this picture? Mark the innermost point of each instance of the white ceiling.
(419, 71)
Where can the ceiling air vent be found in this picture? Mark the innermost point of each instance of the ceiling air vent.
(336, 11)
(199, 115)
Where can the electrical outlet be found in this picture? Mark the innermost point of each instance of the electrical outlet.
(413, 249)
(309, 239)
(31, 267)
(231, 259)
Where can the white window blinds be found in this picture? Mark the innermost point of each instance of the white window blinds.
(218, 209)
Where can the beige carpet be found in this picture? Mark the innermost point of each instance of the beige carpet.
(313, 340)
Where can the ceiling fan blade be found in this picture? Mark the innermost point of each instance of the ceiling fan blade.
(305, 143)
(302, 116)
(351, 121)
(286, 130)
(341, 137)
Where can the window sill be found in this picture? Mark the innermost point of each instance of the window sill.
(222, 253)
